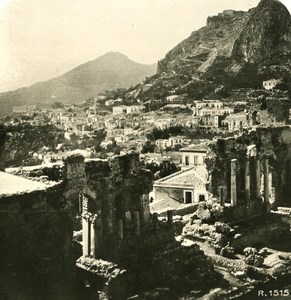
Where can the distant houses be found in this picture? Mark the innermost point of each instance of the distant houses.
(123, 109)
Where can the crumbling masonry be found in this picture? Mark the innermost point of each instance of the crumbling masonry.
(250, 173)
(127, 248)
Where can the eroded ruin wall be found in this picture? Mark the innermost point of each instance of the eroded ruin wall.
(35, 238)
(271, 147)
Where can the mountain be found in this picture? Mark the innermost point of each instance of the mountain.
(110, 71)
(236, 49)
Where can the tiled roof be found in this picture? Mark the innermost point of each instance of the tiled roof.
(168, 203)
(194, 177)
(202, 147)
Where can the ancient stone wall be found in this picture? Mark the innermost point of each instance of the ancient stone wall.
(251, 171)
(35, 238)
(118, 188)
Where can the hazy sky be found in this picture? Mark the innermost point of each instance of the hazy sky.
(41, 39)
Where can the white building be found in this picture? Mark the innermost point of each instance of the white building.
(121, 109)
(183, 187)
(236, 121)
(193, 155)
(270, 84)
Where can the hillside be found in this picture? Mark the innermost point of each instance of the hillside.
(235, 49)
(110, 71)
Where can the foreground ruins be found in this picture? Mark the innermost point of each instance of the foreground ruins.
(127, 251)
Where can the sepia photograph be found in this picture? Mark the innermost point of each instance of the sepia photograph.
(145, 149)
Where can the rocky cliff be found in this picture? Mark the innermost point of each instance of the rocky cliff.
(235, 49)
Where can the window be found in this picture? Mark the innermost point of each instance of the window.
(188, 197)
(201, 198)
(187, 160)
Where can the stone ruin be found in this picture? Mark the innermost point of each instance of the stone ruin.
(250, 173)
(127, 249)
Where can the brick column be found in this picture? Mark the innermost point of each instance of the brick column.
(233, 182)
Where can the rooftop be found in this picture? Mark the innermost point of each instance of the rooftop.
(168, 203)
(192, 177)
(202, 147)
(237, 116)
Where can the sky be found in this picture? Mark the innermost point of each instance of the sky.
(41, 39)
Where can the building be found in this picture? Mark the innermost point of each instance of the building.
(135, 109)
(162, 143)
(236, 121)
(185, 187)
(172, 142)
(210, 107)
(270, 84)
(210, 121)
(121, 109)
(193, 155)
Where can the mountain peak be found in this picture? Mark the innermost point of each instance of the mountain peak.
(114, 54)
(109, 71)
(273, 5)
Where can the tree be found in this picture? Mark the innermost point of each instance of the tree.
(57, 105)
(148, 147)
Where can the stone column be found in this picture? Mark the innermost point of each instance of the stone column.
(92, 239)
(155, 222)
(258, 178)
(107, 215)
(170, 216)
(266, 184)
(120, 229)
(146, 207)
(128, 219)
(233, 182)
(247, 180)
(86, 227)
(98, 234)
(247, 185)
(221, 196)
(136, 223)
(80, 203)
